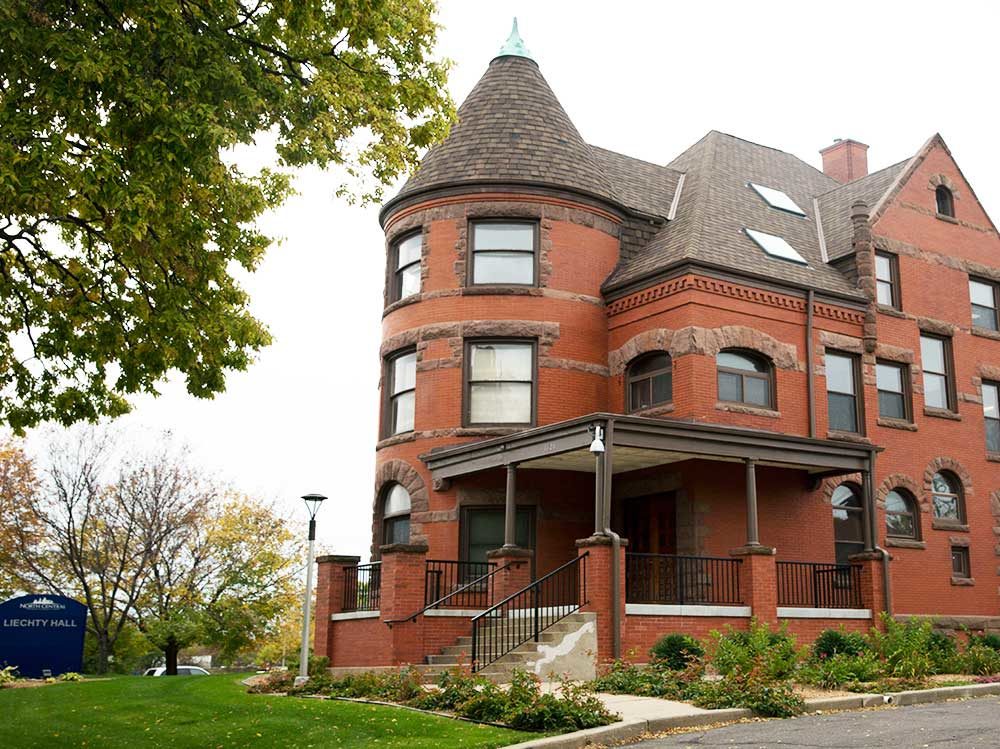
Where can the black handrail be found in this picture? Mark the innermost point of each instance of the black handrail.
(524, 615)
(362, 587)
(819, 585)
(487, 579)
(680, 579)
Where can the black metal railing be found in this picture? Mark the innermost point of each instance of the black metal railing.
(362, 587)
(479, 590)
(524, 615)
(819, 585)
(676, 579)
(459, 585)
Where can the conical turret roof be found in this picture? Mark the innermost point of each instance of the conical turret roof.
(511, 129)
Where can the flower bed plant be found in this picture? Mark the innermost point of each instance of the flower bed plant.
(521, 705)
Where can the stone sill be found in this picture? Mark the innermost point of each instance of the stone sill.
(943, 217)
(502, 290)
(859, 439)
(349, 615)
(905, 543)
(796, 612)
(993, 335)
(949, 525)
(659, 609)
(890, 423)
(463, 613)
(891, 311)
(739, 408)
(993, 457)
(963, 581)
(653, 411)
(941, 413)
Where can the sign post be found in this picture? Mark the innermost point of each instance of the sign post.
(42, 635)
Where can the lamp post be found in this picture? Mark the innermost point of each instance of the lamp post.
(313, 502)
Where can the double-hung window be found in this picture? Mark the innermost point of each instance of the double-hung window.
(983, 295)
(500, 382)
(935, 357)
(991, 415)
(504, 252)
(887, 280)
(405, 279)
(843, 405)
(401, 383)
(892, 380)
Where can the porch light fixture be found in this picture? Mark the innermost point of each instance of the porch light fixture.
(313, 501)
(597, 445)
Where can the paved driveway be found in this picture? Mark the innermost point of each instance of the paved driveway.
(970, 724)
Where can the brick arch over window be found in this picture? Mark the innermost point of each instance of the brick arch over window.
(829, 485)
(707, 342)
(402, 473)
(901, 481)
(943, 180)
(953, 467)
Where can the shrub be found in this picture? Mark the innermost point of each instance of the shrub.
(654, 680)
(772, 654)
(276, 681)
(905, 649)
(943, 650)
(454, 687)
(574, 708)
(979, 660)
(833, 642)
(989, 640)
(752, 690)
(70, 676)
(676, 651)
(8, 675)
(841, 669)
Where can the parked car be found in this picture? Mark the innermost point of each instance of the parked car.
(181, 671)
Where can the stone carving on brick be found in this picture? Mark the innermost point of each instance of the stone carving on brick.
(400, 472)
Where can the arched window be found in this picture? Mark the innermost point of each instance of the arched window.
(650, 381)
(901, 519)
(947, 494)
(745, 378)
(848, 520)
(396, 515)
(945, 201)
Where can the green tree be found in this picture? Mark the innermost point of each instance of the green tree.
(121, 221)
(18, 487)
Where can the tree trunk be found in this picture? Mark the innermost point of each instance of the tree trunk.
(171, 651)
(103, 651)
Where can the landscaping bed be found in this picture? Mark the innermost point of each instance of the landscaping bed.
(766, 672)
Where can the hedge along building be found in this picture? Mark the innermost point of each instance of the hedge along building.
(622, 399)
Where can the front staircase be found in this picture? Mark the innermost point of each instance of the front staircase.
(568, 646)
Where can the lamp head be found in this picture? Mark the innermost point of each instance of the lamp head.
(597, 445)
(313, 502)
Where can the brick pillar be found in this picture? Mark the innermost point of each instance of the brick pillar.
(402, 595)
(872, 583)
(759, 581)
(329, 598)
(598, 597)
(516, 577)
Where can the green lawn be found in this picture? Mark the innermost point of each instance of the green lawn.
(214, 712)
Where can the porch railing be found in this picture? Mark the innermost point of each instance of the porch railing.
(362, 587)
(524, 615)
(459, 585)
(479, 590)
(819, 585)
(677, 579)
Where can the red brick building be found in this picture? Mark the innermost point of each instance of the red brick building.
(671, 397)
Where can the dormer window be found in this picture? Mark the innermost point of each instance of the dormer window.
(945, 201)
(777, 199)
(775, 246)
(504, 252)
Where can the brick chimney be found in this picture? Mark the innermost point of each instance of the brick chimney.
(845, 160)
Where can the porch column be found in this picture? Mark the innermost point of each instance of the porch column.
(510, 508)
(753, 534)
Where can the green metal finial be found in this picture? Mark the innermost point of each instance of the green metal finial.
(514, 46)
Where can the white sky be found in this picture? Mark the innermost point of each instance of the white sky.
(644, 78)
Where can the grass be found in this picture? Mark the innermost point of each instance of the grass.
(216, 712)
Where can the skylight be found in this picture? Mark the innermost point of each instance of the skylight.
(777, 199)
(775, 246)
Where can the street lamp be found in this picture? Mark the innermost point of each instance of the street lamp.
(313, 501)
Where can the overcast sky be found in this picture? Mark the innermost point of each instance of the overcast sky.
(644, 78)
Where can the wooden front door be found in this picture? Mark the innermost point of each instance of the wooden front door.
(651, 524)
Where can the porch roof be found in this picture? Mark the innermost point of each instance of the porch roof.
(642, 442)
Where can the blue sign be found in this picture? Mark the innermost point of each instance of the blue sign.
(42, 635)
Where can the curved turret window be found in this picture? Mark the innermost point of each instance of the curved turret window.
(745, 378)
(396, 515)
(405, 279)
(650, 381)
(400, 389)
(504, 252)
(500, 378)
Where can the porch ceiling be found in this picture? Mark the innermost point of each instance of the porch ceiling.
(638, 442)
